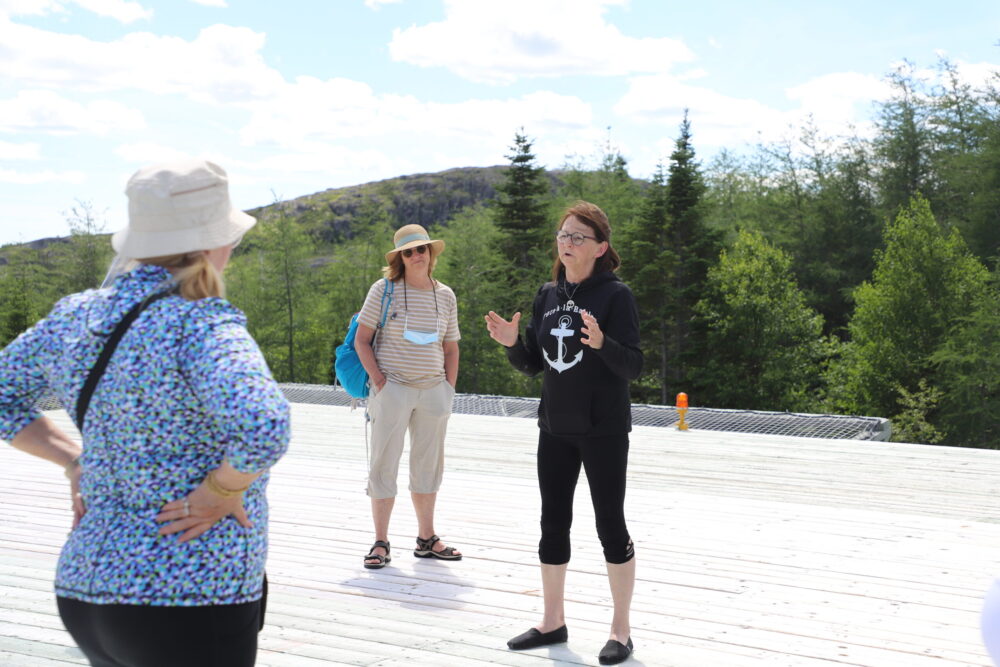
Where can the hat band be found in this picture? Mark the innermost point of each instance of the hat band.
(412, 237)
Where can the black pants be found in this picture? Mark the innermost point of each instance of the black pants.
(125, 635)
(605, 459)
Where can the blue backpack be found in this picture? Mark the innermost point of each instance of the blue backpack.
(351, 375)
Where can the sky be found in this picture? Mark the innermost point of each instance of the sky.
(297, 96)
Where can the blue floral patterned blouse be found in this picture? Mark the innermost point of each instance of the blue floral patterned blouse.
(186, 387)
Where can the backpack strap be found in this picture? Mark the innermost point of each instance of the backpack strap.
(97, 370)
(386, 304)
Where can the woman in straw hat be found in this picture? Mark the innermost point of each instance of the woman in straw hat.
(412, 368)
(584, 336)
(165, 562)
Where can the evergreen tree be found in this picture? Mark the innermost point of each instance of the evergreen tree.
(272, 285)
(647, 267)
(695, 247)
(834, 253)
(982, 228)
(968, 365)
(903, 143)
(522, 214)
(476, 273)
(521, 206)
(17, 293)
(765, 344)
(89, 253)
(924, 281)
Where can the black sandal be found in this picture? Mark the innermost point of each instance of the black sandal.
(425, 549)
(382, 560)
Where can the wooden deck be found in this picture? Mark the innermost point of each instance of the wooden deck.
(753, 550)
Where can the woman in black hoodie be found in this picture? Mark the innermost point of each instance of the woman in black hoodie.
(584, 335)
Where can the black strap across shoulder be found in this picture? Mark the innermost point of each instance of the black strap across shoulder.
(97, 370)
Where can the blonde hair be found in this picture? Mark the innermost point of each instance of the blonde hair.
(197, 278)
(396, 269)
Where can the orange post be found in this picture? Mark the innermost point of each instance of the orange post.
(682, 408)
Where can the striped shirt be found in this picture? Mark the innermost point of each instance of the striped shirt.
(401, 360)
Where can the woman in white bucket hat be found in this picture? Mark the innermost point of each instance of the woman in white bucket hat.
(180, 421)
(412, 368)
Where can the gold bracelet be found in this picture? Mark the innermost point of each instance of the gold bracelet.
(219, 490)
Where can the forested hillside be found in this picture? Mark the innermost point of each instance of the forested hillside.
(853, 274)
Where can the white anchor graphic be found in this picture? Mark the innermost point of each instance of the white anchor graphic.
(560, 364)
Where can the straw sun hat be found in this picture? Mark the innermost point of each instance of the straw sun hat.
(411, 236)
(179, 207)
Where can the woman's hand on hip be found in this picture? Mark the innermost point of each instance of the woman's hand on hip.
(501, 330)
(79, 508)
(198, 511)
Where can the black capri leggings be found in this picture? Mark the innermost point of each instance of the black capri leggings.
(126, 635)
(605, 460)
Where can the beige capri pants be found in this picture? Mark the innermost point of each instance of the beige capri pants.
(425, 413)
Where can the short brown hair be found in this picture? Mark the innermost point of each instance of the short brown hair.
(592, 216)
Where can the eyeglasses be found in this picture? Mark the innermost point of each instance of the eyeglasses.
(576, 237)
(420, 249)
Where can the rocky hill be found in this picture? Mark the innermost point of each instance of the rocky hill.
(424, 199)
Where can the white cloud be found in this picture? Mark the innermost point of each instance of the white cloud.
(977, 75)
(45, 111)
(147, 152)
(120, 10)
(500, 42)
(26, 7)
(221, 65)
(41, 177)
(341, 109)
(718, 119)
(834, 103)
(376, 4)
(11, 151)
(211, 3)
(836, 100)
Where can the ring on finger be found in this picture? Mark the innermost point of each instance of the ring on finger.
(187, 508)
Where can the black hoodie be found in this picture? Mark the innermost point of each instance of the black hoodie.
(584, 391)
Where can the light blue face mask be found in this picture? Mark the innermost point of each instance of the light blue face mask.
(418, 337)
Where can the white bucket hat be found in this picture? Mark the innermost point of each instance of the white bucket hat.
(179, 207)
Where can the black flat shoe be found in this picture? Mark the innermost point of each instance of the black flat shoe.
(533, 639)
(615, 652)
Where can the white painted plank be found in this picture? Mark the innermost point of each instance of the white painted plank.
(751, 550)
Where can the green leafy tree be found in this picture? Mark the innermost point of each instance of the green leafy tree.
(910, 423)
(764, 343)
(923, 283)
